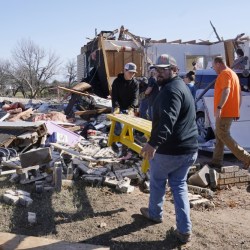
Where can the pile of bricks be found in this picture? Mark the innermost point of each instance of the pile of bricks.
(233, 175)
(218, 179)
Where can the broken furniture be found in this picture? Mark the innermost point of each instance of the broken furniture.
(126, 137)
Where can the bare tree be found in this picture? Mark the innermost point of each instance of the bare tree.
(6, 82)
(31, 67)
(2, 73)
(71, 71)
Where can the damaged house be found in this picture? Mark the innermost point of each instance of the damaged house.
(103, 59)
(105, 55)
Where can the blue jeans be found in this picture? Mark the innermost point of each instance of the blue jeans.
(150, 112)
(118, 125)
(173, 168)
(143, 108)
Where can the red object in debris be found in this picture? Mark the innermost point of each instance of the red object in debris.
(93, 132)
(14, 106)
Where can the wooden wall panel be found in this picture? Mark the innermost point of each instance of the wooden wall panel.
(128, 57)
(117, 60)
(137, 59)
(118, 63)
(229, 51)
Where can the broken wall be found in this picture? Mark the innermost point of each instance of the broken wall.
(109, 58)
(181, 51)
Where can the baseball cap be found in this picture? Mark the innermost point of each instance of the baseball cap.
(131, 67)
(164, 61)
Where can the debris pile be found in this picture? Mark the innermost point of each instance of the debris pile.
(51, 153)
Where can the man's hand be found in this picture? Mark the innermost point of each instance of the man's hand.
(131, 112)
(147, 152)
(116, 111)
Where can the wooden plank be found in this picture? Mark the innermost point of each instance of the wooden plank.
(138, 60)
(127, 136)
(229, 51)
(105, 63)
(128, 56)
(92, 112)
(190, 42)
(176, 41)
(73, 91)
(5, 172)
(111, 62)
(82, 86)
(137, 123)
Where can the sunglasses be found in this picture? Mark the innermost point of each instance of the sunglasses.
(161, 70)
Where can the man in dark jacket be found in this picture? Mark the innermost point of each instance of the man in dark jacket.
(125, 93)
(172, 147)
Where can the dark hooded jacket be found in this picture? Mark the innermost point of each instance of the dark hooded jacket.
(125, 93)
(174, 129)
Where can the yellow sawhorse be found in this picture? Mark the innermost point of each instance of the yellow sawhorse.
(126, 137)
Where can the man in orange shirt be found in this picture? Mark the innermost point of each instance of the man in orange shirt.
(227, 101)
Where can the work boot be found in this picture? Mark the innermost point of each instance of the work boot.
(145, 213)
(183, 238)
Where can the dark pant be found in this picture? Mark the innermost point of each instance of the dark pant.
(68, 111)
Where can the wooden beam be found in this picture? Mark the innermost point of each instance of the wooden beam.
(215, 32)
(105, 63)
(73, 91)
(159, 41)
(93, 112)
(190, 42)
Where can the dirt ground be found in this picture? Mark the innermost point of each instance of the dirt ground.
(101, 216)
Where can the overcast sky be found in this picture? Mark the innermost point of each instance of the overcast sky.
(63, 25)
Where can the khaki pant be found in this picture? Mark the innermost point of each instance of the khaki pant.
(223, 138)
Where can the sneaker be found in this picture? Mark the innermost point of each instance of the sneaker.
(145, 213)
(183, 238)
